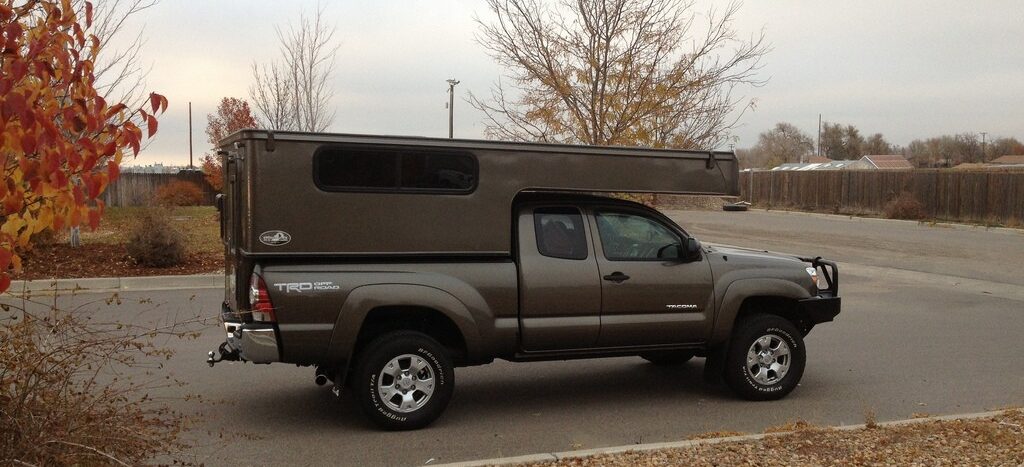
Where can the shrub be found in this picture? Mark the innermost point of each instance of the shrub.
(179, 193)
(58, 403)
(904, 206)
(154, 242)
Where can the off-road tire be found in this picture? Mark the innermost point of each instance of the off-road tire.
(668, 357)
(372, 361)
(738, 376)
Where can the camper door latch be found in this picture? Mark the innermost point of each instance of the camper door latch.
(270, 141)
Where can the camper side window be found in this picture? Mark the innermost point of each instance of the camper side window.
(394, 170)
(560, 233)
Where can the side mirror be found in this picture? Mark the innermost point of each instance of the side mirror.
(691, 248)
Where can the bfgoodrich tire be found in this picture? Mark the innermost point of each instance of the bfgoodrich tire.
(403, 380)
(766, 358)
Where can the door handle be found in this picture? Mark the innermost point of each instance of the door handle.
(616, 277)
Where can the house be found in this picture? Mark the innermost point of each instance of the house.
(1008, 160)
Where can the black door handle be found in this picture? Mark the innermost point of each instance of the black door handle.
(616, 277)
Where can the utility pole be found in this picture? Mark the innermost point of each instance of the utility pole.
(983, 145)
(451, 106)
(819, 136)
(190, 135)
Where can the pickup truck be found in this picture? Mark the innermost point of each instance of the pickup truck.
(581, 276)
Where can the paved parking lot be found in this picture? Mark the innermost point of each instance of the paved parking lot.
(931, 323)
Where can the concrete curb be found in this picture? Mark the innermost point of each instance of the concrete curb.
(556, 456)
(927, 223)
(116, 284)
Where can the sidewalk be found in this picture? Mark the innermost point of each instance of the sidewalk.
(117, 284)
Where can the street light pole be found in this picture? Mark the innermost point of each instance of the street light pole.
(451, 106)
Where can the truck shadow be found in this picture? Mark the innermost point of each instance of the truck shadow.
(503, 391)
(567, 387)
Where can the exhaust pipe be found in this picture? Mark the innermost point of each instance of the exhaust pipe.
(320, 379)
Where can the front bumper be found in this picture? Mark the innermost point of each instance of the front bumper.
(820, 309)
(826, 306)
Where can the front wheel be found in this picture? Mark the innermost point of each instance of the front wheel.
(766, 358)
(404, 380)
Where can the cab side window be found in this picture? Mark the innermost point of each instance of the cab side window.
(560, 233)
(631, 237)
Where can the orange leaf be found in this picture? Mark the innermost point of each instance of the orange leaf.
(5, 281)
(113, 171)
(151, 124)
(154, 101)
(88, 14)
(5, 258)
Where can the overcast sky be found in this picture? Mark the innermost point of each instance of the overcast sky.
(905, 69)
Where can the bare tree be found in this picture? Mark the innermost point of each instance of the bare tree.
(783, 143)
(271, 94)
(295, 93)
(617, 72)
(120, 75)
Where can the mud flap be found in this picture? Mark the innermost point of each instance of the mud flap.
(714, 365)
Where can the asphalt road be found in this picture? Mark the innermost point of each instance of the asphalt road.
(932, 323)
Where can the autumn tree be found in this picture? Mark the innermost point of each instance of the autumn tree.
(294, 92)
(616, 72)
(1003, 147)
(232, 115)
(60, 140)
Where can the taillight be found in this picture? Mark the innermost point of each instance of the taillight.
(259, 300)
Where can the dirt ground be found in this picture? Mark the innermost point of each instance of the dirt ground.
(994, 441)
(103, 252)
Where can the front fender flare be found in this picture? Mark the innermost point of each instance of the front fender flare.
(740, 290)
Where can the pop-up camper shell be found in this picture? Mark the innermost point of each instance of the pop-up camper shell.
(302, 194)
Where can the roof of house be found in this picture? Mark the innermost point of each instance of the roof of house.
(1008, 160)
(888, 161)
(826, 164)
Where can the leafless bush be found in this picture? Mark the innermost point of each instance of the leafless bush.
(66, 395)
(154, 242)
(904, 206)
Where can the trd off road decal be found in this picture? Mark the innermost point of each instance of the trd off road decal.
(275, 238)
(299, 287)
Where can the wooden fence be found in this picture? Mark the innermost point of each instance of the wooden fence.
(137, 189)
(963, 196)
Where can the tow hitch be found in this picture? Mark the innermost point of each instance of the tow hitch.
(223, 353)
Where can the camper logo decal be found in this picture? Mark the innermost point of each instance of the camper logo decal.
(275, 238)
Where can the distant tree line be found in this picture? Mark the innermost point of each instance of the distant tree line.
(786, 143)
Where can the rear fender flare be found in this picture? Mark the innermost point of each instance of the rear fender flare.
(366, 298)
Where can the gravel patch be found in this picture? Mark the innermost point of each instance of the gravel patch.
(992, 441)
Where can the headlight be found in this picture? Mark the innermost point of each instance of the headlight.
(813, 272)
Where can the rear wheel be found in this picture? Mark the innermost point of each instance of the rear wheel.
(404, 380)
(668, 357)
(766, 358)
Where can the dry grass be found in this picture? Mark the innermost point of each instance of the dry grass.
(997, 440)
(199, 224)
